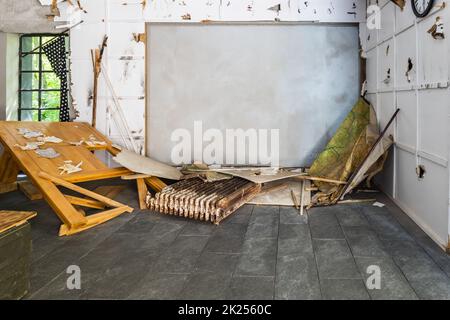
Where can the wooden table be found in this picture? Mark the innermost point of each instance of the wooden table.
(45, 175)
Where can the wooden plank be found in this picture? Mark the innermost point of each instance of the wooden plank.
(109, 191)
(142, 193)
(94, 220)
(83, 191)
(11, 219)
(88, 203)
(108, 173)
(320, 179)
(135, 176)
(8, 187)
(8, 168)
(30, 191)
(64, 210)
(155, 183)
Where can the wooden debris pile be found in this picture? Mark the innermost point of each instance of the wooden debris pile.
(195, 199)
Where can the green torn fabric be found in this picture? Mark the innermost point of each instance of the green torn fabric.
(345, 151)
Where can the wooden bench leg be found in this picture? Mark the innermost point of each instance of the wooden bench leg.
(8, 173)
(142, 193)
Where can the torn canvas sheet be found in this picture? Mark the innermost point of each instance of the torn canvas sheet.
(49, 153)
(345, 151)
(202, 171)
(372, 165)
(282, 196)
(261, 175)
(141, 164)
(30, 145)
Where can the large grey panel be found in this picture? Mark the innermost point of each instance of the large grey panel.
(301, 79)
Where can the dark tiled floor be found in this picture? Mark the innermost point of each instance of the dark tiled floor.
(258, 253)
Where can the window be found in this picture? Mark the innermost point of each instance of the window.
(40, 90)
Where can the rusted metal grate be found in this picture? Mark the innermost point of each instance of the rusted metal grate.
(206, 201)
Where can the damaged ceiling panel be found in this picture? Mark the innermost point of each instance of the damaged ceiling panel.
(25, 16)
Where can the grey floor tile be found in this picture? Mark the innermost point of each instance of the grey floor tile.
(198, 228)
(56, 290)
(159, 287)
(294, 239)
(387, 227)
(343, 289)
(251, 288)
(258, 258)
(297, 278)
(350, 216)
(263, 230)
(259, 263)
(393, 284)
(206, 286)
(220, 263)
(116, 282)
(260, 246)
(265, 214)
(324, 224)
(224, 244)
(257, 253)
(181, 255)
(436, 253)
(334, 260)
(231, 230)
(364, 242)
(241, 215)
(290, 215)
(426, 278)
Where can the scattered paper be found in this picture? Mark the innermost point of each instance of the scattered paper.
(30, 146)
(49, 153)
(79, 143)
(378, 204)
(51, 139)
(94, 141)
(27, 133)
(91, 142)
(68, 167)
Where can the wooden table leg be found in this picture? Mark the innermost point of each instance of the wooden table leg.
(8, 173)
(142, 193)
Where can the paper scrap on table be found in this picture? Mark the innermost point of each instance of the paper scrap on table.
(30, 146)
(51, 139)
(378, 204)
(49, 153)
(27, 133)
(69, 168)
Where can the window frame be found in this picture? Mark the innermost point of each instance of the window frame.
(40, 53)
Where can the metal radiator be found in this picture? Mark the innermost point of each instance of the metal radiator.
(206, 201)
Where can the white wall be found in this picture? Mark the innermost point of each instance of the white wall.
(421, 129)
(298, 79)
(2, 76)
(12, 75)
(9, 75)
(125, 59)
